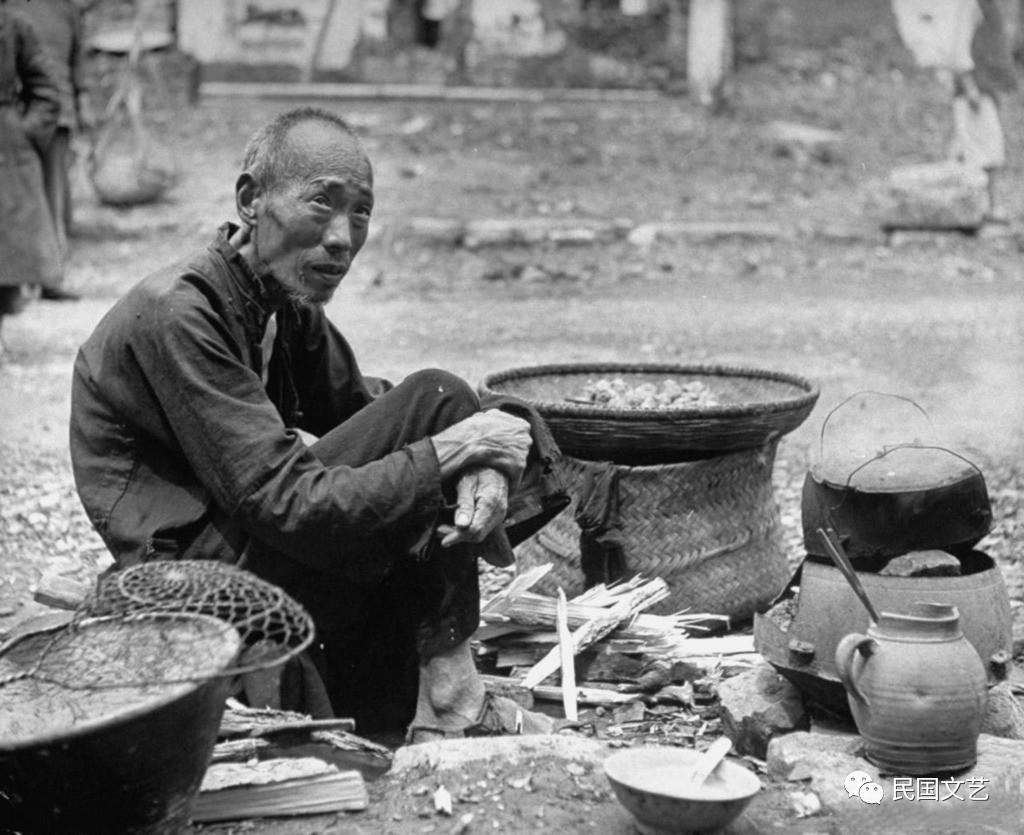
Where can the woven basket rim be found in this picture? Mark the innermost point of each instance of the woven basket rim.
(596, 411)
(641, 470)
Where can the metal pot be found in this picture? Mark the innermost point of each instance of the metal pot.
(911, 498)
(136, 770)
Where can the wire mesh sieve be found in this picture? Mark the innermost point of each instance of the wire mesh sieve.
(163, 623)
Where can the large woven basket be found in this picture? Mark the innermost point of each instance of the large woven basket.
(710, 528)
(755, 407)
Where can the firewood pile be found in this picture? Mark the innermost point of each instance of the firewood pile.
(602, 650)
(275, 763)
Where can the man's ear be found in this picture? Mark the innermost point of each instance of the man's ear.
(247, 198)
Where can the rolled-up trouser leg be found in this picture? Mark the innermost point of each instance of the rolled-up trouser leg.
(373, 632)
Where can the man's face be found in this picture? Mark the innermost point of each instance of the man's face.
(309, 225)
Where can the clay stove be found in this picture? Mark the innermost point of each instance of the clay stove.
(909, 520)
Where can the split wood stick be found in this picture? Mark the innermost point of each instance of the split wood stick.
(567, 656)
(591, 696)
(239, 720)
(648, 633)
(238, 750)
(594, 630)
(59, 592)
(605, 595)
(519, 585)
(276, 770)
(524, 657)
(533, 610)
(587, 693)
(722, 645)
(254, 730)
(490, 631)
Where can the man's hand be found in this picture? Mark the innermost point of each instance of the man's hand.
(481, 506)
(490, 439)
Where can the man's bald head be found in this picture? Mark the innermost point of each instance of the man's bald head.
(285, 148)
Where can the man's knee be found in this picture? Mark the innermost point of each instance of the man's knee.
(447, 390)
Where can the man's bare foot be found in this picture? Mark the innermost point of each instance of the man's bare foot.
(453, 702)
(451, 694)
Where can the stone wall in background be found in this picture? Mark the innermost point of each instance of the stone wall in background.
(557, 43)
(594, 43)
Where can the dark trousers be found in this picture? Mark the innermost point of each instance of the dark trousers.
(372, 633)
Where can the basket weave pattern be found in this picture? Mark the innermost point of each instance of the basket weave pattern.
(709, 528)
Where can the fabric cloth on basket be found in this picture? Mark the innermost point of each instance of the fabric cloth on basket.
(602, 552)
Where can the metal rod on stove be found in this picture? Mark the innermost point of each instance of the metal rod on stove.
(842, 562)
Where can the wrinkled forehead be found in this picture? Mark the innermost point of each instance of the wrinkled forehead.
(316, 149)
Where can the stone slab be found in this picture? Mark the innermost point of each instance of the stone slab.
(933, 196)
(499, 232)
(448, 754)
(1004, 715)
(922, 564)
(757, 705)
(804, 142)
(705, 231)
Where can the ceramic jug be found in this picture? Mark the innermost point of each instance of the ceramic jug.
(917, 690)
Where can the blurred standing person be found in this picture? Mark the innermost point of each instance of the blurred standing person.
(979, 140)
(58, 24)
(966, 42)
(29, 104)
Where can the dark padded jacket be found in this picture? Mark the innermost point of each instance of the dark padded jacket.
(181, 451)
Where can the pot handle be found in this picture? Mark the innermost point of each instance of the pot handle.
(828, 417)
(851, 644)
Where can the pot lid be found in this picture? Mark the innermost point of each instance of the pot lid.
(898, 469)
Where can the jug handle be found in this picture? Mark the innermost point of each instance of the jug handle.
(844, 661)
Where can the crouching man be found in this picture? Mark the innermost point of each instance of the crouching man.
(185, 404)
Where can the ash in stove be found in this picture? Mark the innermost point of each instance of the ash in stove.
(783, 611)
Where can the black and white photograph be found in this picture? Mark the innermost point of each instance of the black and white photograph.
(511, 416)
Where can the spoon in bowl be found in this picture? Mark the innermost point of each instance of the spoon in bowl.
(709, 760)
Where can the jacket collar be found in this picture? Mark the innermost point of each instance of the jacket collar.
(252, 290)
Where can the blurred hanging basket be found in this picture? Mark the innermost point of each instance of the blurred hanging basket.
(128, 164)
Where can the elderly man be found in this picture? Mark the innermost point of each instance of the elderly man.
(185, 405)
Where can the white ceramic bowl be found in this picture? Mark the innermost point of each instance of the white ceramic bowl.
(652, 784)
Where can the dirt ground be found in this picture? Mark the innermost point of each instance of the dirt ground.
(935, 318)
